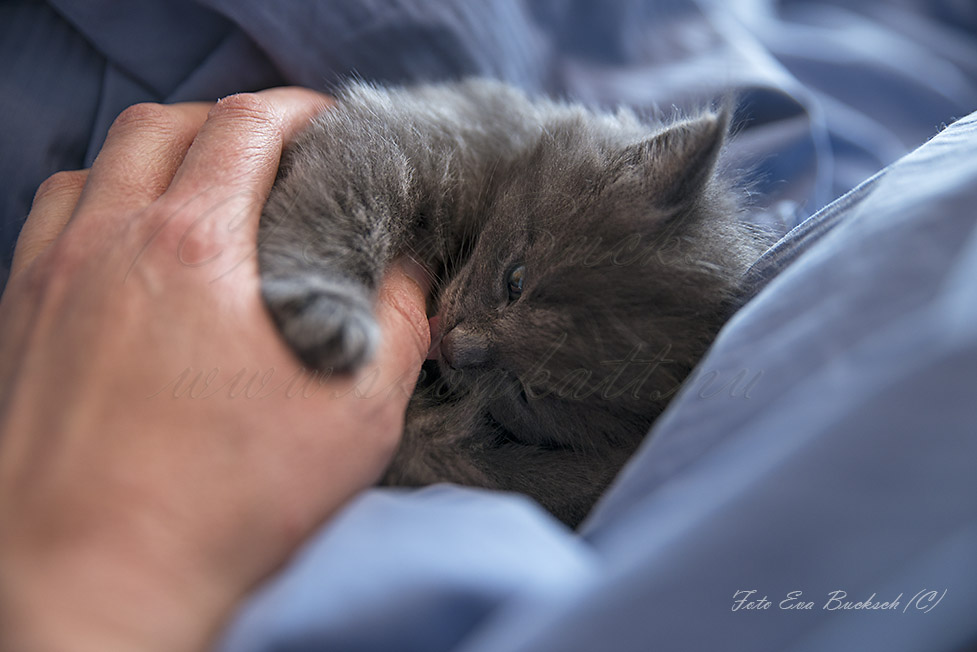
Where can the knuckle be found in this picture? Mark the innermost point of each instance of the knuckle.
(60, 262)
(147, 116)
(61, 183)
(188, 237)
(243, 106)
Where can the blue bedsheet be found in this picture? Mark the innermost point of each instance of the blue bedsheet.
(827, 442)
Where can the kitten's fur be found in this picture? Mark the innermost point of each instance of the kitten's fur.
(632, 245)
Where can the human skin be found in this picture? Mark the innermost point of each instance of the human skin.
(137, 507)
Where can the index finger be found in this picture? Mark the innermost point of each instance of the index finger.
(217, 194)
(240, 143)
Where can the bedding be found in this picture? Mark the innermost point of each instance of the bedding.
(827, 442)
(825, 445)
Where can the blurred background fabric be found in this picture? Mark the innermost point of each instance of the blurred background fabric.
(830, 91)
(825, 443)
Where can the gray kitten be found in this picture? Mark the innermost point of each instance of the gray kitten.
(584, 262)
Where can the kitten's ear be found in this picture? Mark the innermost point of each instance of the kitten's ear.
(675, 165)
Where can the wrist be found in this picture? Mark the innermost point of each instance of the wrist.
(79, 601)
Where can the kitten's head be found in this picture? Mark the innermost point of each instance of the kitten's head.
(603, 273)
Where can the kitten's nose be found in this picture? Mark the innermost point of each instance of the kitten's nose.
(461, 347)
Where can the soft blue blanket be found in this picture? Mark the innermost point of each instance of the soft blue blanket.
(826, 445)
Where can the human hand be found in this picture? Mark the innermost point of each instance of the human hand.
(161, 450)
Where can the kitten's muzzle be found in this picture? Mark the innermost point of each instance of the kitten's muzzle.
(462, 347)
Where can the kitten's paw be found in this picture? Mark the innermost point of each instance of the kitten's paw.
(330, 327)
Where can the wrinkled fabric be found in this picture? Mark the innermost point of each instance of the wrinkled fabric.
(828, 92)
(826, 441)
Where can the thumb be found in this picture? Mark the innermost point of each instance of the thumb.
(405, 335)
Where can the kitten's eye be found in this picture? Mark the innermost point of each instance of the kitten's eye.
(516, 276)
